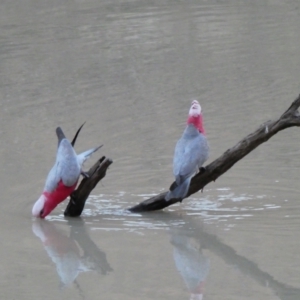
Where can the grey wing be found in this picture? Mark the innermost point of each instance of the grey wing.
(66, 167)
(203, 150)
(52, 180)
(189, 156)
(67, 164)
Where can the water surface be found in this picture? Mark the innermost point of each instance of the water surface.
(130, 69)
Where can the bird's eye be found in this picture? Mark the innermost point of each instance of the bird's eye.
(41, 212)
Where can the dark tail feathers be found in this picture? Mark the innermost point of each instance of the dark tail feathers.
(76, 135)
(179, 191)
(60, 134)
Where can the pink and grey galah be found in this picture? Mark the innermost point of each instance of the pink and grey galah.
(63, 177)
(190, 153)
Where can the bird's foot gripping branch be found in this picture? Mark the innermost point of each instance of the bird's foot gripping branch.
(290, 118)
(87, 184)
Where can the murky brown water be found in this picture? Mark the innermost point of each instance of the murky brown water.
(130, 69)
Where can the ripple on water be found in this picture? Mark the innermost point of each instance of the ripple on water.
(109, 212)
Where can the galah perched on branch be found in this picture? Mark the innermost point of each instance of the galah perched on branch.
(191, 152)
(63, 177)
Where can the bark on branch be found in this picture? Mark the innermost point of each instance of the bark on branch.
(289, 118)
(87, 184)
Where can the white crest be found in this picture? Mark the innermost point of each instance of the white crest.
(195, 109)
(38, 206)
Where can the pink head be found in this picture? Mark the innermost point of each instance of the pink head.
(195, 116)
(48, 201)
(44, 205)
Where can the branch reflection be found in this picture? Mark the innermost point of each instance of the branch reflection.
(193, 265)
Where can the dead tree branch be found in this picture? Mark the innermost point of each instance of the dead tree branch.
(289, 118)
(87, 184)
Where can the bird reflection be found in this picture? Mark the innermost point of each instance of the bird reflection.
(71, 255)
(191, 237)
(190, 262)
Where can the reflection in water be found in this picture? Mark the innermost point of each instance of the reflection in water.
(66, 252)
(189, 235)
(194, 266)
(190, 262)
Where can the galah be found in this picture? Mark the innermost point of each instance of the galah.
(190, 153)
(63, 177)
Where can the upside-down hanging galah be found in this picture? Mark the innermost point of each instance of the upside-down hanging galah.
(191, 152)
(63, 177)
